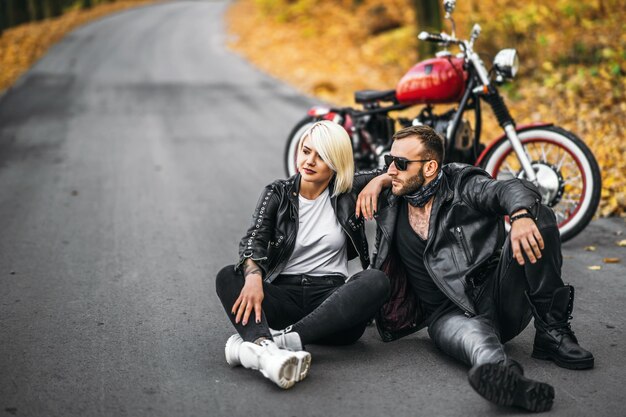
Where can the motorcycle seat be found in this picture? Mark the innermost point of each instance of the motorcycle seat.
(368, 96)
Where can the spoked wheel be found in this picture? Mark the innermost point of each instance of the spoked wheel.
(567, 173)
(291, 149)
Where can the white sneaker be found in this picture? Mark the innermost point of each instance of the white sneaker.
(232, 350)
(278, 365)
(232, 353)
(286, 339)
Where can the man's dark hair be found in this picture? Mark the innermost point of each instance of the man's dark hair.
(432, 141)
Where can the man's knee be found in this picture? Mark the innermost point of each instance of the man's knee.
(446, 326)
(546, 218)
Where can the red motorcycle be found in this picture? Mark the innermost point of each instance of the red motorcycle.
(555, 160)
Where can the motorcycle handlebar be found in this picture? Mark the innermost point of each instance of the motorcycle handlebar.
(430, 37)
(437, 37)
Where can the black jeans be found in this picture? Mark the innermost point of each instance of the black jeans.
(477, 340)
(322, 310)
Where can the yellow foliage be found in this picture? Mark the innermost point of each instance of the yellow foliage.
(573, 60)
(23, 45)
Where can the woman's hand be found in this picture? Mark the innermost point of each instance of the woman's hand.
(251, 295)
(367, 201)
(526, 236)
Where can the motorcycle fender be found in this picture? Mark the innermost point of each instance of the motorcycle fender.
(518, 129)
(325, 113)
(318, 111)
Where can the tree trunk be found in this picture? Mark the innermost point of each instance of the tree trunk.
(52, 8)
(428, 18)
(3, 16)
(35, 10)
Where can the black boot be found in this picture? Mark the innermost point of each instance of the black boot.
(554, 339)
(503, 383)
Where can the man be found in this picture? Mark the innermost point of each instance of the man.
(441, 241)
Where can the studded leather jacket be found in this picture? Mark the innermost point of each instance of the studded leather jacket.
(271, 237)
(465, 237)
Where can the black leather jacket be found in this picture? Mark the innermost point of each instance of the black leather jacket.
(271, 237)
(465, 237)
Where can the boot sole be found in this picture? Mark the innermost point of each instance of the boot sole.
(304, 364)
(504, 386)
(548, 356)
(285, 374)
(231, 350)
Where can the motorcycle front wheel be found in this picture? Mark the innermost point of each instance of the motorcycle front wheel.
(291, 148)
(567, 173)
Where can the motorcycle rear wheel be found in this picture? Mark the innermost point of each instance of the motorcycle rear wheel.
(568, 174)
(291, 149)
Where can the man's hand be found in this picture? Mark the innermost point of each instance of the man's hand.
(367, 201)
(251, 295)
(525, 236)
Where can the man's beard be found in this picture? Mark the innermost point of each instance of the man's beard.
(412, 185)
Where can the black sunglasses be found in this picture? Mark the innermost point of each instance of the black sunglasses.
(401, 163)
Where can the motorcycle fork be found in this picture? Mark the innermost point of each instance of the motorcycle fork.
(522, 156)
(508, 124)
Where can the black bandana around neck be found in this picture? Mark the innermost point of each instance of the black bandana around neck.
(420, 197)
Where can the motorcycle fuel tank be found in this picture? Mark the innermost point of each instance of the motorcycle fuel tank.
(437, 80)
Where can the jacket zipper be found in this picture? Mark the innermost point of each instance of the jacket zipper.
(432, 275)
(351, 240)
(438, 284)
(463, 243)
(288, 242)
(346, 232)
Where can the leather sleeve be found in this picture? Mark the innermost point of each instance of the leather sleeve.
(256, 240)
(490, 196)
(362, 178)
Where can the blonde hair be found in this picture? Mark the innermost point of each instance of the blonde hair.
(335, 147)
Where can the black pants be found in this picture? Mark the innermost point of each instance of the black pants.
(321, 310)
(477, 340)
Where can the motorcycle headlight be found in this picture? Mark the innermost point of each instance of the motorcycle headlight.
(507, 63)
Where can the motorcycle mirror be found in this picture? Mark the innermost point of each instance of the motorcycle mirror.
(476, 30)
(449, 5)
(474, 35)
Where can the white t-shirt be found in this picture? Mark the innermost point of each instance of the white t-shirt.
(320, 247)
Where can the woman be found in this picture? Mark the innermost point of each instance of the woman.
(293, 264)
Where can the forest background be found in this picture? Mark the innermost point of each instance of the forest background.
(573, 55)
(29, 27)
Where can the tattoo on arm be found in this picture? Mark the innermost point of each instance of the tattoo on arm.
(254, 271)
(251, 268)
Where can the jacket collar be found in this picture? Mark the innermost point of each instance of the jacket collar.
(293, 185)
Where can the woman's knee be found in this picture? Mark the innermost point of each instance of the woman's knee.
(376, 281)
(226, 278)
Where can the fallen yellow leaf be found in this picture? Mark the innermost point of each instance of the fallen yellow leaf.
(611, 260)
(622, 243)
(590, 248)
(594, 267)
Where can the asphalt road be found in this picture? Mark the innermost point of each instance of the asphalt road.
(130, 159)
